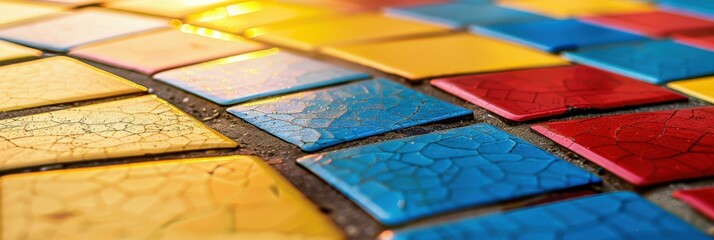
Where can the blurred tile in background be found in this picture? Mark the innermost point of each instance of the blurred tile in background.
(11, 11)
(578, 8)
(655, 24)
(459, 14)
(167, 8)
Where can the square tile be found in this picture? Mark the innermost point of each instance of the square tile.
(703, 39)
(579, 8)
(57, 80)
(167, 8)
(231, 197)
(12, 11)
(454, 54)
(255, 75)
(561, 35)
(314, 120)
(697, 7)
(131, 127)
(66, 31)
(657, 61)
(701, 88)
(10, 52)
(410, 178)
(700, 199)
(161, 50)
(553, 91)
(345, 29)
(643, 148)
(618, 215)
(655, 23)
(461, 14)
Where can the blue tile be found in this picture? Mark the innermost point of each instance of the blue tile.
(657, 62)
(406, 179)
(703, 8)
(619, 215)
(318, 119)
(459, 14)
(255, 75)
(557, 35)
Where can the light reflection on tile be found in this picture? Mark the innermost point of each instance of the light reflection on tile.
(579, 8)
(167, 8)
(16, 11)
(76, 3)
(254, 75)
(131, 127)
(12, 52)
(231, 197)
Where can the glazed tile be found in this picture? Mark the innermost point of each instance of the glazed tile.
(618, 215)
(12, 11)
(255, 75)
(697, 7)
(10, 52)
(553, 91)
(566, 9)
(76, 3)
(410, 178)
(460, 14)
(702, 88)
(318, 119)
(346, 29)
(657, 61)
(167, 8)
(57, 80)
(655, 23)
(456, 54)
(700, 199)
(232, 197)
(569, 34)
(643, 148)
(131, 127)
(162, 50)
(704, 39)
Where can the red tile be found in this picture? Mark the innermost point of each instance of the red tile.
(656, 24)
(704, 39)
(643, 148)
(701, 199)
(553, 91)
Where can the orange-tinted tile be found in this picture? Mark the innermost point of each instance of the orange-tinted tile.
(11, 11)
(12, 52)
(578, 8)
(167, 8)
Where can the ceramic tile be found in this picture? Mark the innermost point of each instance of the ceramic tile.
(703, 39)
(16, 11)
(255, 75)
(232, 197)
(700, 199)
(10, 52)
(566, 9)
(697, 7)
(702, 88)
(410, 178)
(460, 14)
(131, 127)
(655, 23)
(168, 8)
(76, 3)
(317, 119)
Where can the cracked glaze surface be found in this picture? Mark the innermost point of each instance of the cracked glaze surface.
(643, 148)
(232, 197)
(619, 215)
(254, 75)
(57, 80)
(410, 178)
(322, 118)
(131, 127)
(701, 199)
(553, 91)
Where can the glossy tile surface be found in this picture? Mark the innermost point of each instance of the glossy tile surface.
(553, 91)
(460, 14)
(131, 127)
(702, 88)
(704, 39)
(656, 23)
(167, 8)
(232, 197)
(643, 148)
(16, 11)
(565, 9)
(701, 199)
(657, 62)
(57, 80)
(162, 50)
(557, 35)
(255, 75)
(67, 31)
(619, 215)
(410, 178)
(12, 52)
(313, 120)
(346, 29)
(456, 54)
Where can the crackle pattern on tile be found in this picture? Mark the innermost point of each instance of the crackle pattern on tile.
(167, 8)
(579, 8)
(553, 91)
(701, 199)
(11, 52)
(17, 11)
(57, 80)
(619, 215)
(254, 75)
(232, 197)
(410, 178)
(643, 148)
(322, 118)
(131, 127)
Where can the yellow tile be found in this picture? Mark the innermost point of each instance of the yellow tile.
(168, 8)
(76, 3)
(345, 29)
(130, 127)
(702, 88)
(578, 8)
(16, 11)
(12, 52)
(57, 80)
(232, 197)
(444, 55)
(239, 17)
